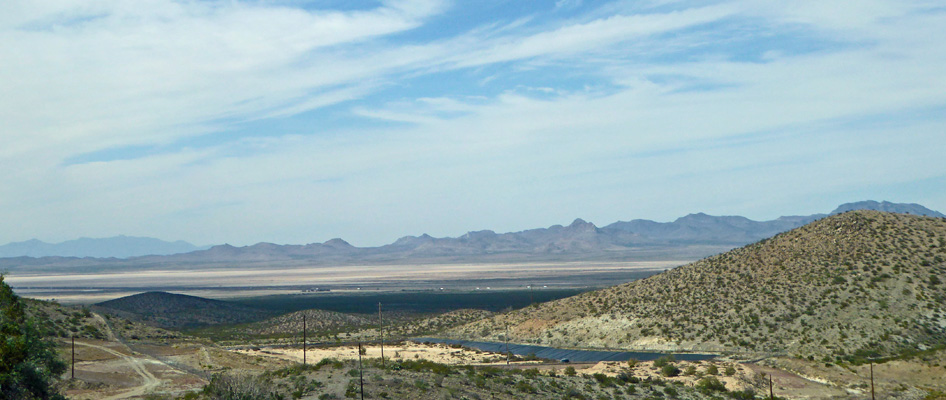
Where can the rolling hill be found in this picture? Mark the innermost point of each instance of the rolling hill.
(857, 284)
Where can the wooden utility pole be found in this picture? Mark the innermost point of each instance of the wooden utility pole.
(872, 380)
(73, 356)
(771, 393)
(303, 339)
(361, 373)
(506, 340)
(381, 331)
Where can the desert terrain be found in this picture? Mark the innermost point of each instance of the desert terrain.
(236, 283)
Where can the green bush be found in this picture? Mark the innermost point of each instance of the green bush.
(525, 387)
(28, 363)
(663, 361)
(670, 371)
(233, 387)
(710, 384)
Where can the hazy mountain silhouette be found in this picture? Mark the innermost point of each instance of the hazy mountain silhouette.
(118, 246)
(690, 237)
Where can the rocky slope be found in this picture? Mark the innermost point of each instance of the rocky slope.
(858, 284)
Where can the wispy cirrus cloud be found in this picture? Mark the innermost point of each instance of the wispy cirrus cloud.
(241, 122)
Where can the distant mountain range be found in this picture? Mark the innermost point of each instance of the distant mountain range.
(691, 237)
(118, 246)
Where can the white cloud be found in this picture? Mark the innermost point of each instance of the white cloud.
(789, 128)
(112, 74)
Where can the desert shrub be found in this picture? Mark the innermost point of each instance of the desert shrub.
(663, 361)
(935, 395)
(730, 371)
(710, 384)
(670, 371)
(525, 387)
(234, 387)
(712, 370)
(747, 394)
(573, 393)
(603, 380)
(570, 371)
(336, 364)
(294, 370)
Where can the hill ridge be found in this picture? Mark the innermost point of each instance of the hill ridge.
(855, 284)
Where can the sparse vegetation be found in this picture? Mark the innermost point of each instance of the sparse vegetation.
(804, 292)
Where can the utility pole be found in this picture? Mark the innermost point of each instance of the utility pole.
(381, 331)
(303, 339)
(771, 393)
(872, 380)
(361, 373)
(506, 340)
(73, 356)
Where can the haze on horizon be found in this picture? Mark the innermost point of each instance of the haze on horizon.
(299, 121)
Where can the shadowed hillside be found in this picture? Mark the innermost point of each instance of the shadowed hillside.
(174, 311)
(862, 283)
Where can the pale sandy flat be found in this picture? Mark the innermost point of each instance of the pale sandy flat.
(407, 351)
(224, 283)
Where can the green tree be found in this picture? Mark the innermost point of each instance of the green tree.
(28, 363)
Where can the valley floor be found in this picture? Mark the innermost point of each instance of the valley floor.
(112, 370)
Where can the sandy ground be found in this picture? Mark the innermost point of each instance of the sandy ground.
(110, 370)
(747, 376)
(406, 351)
(223, 283)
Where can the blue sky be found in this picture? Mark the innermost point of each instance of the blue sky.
(301, 121)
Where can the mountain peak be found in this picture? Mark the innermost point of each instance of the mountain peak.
(886, 206)
(578, 222)
(338, 243)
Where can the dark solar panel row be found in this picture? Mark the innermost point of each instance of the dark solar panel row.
(562, 354)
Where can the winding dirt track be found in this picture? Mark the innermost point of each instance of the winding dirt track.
(149, 381)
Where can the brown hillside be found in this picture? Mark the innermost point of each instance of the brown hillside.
(859, 283)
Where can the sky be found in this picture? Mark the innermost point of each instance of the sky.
(292, 121)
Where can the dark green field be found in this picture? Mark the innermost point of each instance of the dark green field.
(409, 302)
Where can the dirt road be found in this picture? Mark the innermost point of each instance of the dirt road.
(148, 381)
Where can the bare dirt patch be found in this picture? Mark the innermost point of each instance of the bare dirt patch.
(438, 353)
